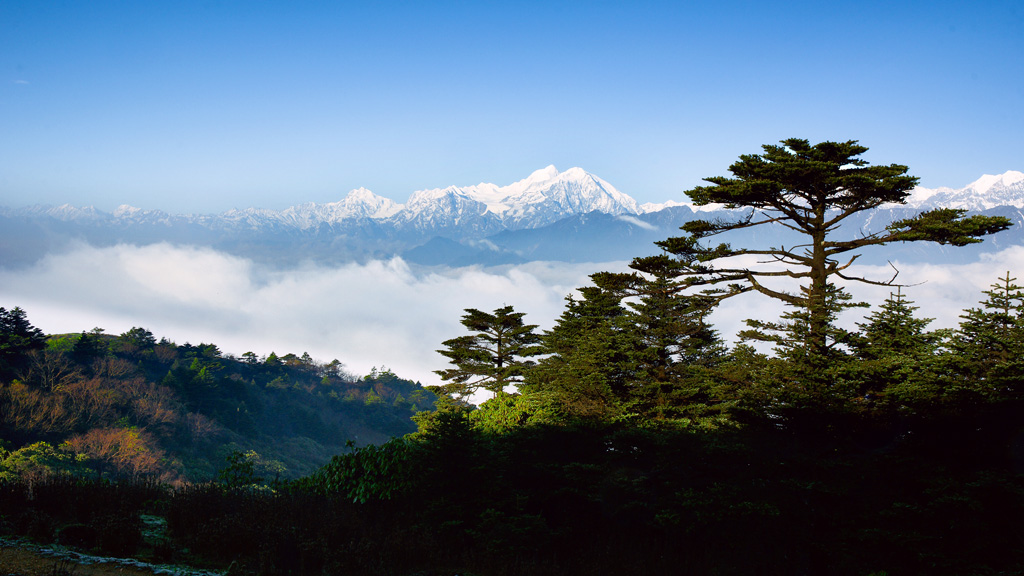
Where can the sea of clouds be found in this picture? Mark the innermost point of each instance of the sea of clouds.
(376, 314)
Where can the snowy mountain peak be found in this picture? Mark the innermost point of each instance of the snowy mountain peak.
(648, 207)
(360, 194)
(989, 181)
(421, 197)
(544, 174)
(359, 203)
(126, 211)
(989, 191)
(67, 212)
(535, 179)
(573, 173)
(548, 195)
(363, 203)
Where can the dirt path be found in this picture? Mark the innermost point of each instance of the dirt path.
(16, 560)
(20, 562)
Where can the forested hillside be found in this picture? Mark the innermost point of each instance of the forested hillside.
(129, 405)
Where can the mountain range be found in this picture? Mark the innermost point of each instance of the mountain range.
(550, 215)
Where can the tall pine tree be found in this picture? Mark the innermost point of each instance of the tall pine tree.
(897, 357)
(494, 357)
(676, 348)
(589, 366)
(988, 346)
(810, 190)
(18, 337)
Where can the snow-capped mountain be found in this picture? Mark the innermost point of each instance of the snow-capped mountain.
(649, 207)
(985, 193)
(359, 203)
(547, 196)
(67, 212)
(547, 215)
(361, 225)
(444, 211)
(544, 197)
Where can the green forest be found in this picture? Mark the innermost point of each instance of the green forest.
(130, 406)
(628, 438)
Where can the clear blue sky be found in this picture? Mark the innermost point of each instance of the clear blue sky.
(192, 106)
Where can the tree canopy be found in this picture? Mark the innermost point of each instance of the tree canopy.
(810, 190)
(17, 336)
(493, 357)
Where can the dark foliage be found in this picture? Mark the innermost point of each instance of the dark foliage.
(854, 499)
(17, 338)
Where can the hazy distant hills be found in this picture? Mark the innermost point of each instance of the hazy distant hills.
(571, 216)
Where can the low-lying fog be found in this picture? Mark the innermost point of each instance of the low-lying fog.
(380, 314)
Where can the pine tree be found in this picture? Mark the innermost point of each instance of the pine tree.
(18, 337)
(493, 358)
(896, 356)
(588, 367)
(811, 190)
(676, 346)
(988, 346)
(893, 329)
(791, 335)
(804, 372)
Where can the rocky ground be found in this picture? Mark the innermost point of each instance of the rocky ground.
(21, 562)
(26, 560)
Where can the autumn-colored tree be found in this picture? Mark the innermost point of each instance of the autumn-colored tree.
(124, 452)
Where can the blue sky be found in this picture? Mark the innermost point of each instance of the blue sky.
(204, 106)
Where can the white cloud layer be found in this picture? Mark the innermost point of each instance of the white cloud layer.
(939, 291)
(379, 314)
(383, 313)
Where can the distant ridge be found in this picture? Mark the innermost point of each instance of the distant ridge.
(546, 215)
(544, 197)
(985, 193)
